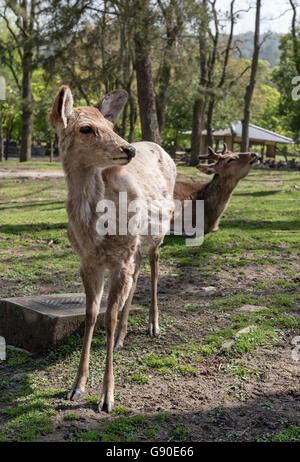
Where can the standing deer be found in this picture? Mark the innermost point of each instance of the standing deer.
(98, 164)
(228, 170)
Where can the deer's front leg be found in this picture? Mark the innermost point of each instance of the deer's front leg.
(93, 280)
(120, 285)
(123, 322)
(153, 315)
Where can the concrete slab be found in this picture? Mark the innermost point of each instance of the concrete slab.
(39, 323)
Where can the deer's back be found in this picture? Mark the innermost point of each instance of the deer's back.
(188, 191)
(154, 171)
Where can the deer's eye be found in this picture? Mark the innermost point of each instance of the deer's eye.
(86, 129)
(230, 160)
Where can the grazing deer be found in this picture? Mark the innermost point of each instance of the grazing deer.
(145, 172)
(228, 170)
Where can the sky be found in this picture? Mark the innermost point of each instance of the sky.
(276, 15)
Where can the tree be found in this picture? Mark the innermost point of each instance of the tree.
(295, 37)
(173, 16)
(251, 85)
(201, 98)
(283, 76)
(146, 96)
(30, 27)
(224, 66)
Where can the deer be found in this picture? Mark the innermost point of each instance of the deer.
(228, 170)
(98, 164)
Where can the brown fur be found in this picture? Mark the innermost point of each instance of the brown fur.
(228, 171)
(150, 174)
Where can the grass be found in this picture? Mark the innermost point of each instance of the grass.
(31, 165)
(121, 429)
(71, 416)
(180, 433)
(290, 435)
(37, 258)
(31, 414)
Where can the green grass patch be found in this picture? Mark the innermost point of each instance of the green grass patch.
(123, 429)
(186, 370)
(290, 435)
(17, 358)
(180, 433)
(140, 378)
(71, 416)
(31, 416)
(121, 409)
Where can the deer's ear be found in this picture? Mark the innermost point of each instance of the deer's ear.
(62, 107)
(112, 105)
(208, 169)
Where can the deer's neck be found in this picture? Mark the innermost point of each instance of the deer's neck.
(216, 196)
(85, 189)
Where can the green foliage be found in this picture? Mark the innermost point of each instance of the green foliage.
(283, 75)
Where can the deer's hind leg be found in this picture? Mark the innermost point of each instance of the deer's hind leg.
(153, 314)
(93, 281)
(123, 322)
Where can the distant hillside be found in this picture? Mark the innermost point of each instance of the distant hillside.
(269, 50)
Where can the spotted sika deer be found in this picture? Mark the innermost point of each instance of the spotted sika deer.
(228, 170)
(98, 165)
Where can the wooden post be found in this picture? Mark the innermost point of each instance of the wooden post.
(284, 152)
(51, 148)
(262, 152)
(1, 139)
(271, 150)
(229, 141)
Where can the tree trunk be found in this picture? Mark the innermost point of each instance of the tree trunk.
(250, 87)
(146, 98)
(212, 101)
(123, 128)
(145, 87)
(51, 147)
(27, 97)
(200, 102)
(162, 96)
(295, 37)
(27, 119)
(132, 119)
(209, 122)
(1, 140)
(8, 135)
(198, 124)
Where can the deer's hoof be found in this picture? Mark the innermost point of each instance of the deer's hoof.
(153, 330)
(118, 346)
(106, 404)
(75, 394)
(118, 343)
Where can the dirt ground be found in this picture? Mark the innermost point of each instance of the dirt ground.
(181, 386)
(212, 405)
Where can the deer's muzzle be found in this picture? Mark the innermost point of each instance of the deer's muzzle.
(129, 151)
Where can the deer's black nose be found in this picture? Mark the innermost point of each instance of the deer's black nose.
(129, 151)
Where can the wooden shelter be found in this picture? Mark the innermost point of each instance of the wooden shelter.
(232, 135)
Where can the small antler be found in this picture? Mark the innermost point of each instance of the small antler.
(216, 155)
(225, 149)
